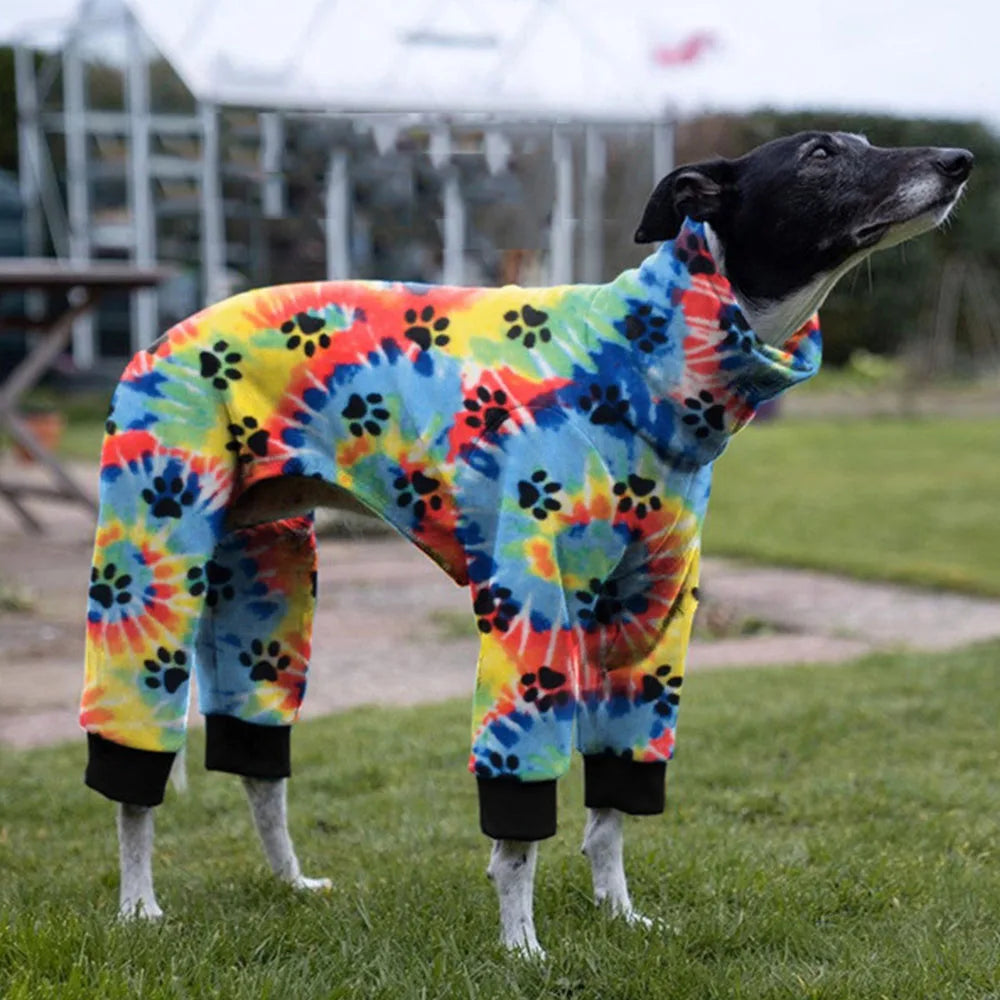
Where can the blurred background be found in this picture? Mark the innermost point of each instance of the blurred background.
(243, 142)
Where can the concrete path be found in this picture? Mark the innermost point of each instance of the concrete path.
(392, 628)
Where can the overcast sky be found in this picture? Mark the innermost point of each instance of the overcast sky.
(912, 57)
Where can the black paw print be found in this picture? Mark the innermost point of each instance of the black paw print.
(265, 663)
(168, 671)
(705, 415)
(532, 329)
(213, 580)
(604, 405)
(301, 329)
(424, 329)
(249, 439)
(732, 320)
(494, 608)
(537, 494)
(663, 689)
(168, 499)
(603, 603)
(365, 413)
(543, 688)
(645, 330)
(419, 490)
(504, 765)
(498, 765)
(693, 253)
(487, 409)
(219, 365)
(634, 495)
(108, 588)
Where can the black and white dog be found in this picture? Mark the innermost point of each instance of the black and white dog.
(783, 223)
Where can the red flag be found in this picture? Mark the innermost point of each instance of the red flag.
(686, 51)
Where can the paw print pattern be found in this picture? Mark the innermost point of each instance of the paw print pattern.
(732, 320)
(664, 689)
(494, 608)
(604, 405)
(527, 326)
(544, 688)
(646, 330)
(705, 414)
(487, 409)
(167, 671)
(302, 330)
(426, 329)
(219, 365)
(109, 588)
(604, 603)
(420, 491)
(248, 440)
(168, 499)
(504, 765)
(365, 414)
(265, 663)
(213, 580)
(536, 494)
(693, 253)
(634, 495)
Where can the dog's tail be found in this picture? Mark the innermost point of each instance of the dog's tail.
(178, 772)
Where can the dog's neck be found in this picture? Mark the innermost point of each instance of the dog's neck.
(775, 322)
(688, 340)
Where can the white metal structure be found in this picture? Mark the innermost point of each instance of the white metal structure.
(454, 77)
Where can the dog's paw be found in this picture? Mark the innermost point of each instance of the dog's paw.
(139, 909)
(311, 884)
(524, 946)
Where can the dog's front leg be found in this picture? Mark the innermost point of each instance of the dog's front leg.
(135, 855)
(603, 844)
(270, 816)
(512, 871)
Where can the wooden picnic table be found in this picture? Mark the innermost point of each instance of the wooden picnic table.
(83, 284)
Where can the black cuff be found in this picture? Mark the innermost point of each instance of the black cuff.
(617, 783)
(246, 748)
(124, 774)
(517, 810)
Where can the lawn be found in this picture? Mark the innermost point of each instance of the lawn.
(913, 500)
(831, 833)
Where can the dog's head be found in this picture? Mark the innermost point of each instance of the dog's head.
(786, 220)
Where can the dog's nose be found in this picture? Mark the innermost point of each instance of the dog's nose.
(954, 163)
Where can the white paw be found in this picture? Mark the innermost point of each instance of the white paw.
(526, 947)
(139, 909)
(635, 919)
(312, 884)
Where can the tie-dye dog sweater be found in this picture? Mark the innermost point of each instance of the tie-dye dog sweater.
(551, 448)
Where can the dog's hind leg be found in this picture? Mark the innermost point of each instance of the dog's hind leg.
(603, 844)
(135, 853)
(253, 654)
(270, 816)
(512, 871)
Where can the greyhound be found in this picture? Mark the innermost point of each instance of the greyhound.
(550, 448)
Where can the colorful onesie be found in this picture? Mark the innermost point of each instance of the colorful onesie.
(551, 448)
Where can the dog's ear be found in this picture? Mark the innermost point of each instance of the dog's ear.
(694, 191)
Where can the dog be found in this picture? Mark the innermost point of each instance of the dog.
(550, 448)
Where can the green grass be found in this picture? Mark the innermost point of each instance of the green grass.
(831, 833)
(908, 500)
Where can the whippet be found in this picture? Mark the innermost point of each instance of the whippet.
(550, 448)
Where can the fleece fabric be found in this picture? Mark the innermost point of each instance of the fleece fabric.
(550, 448)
